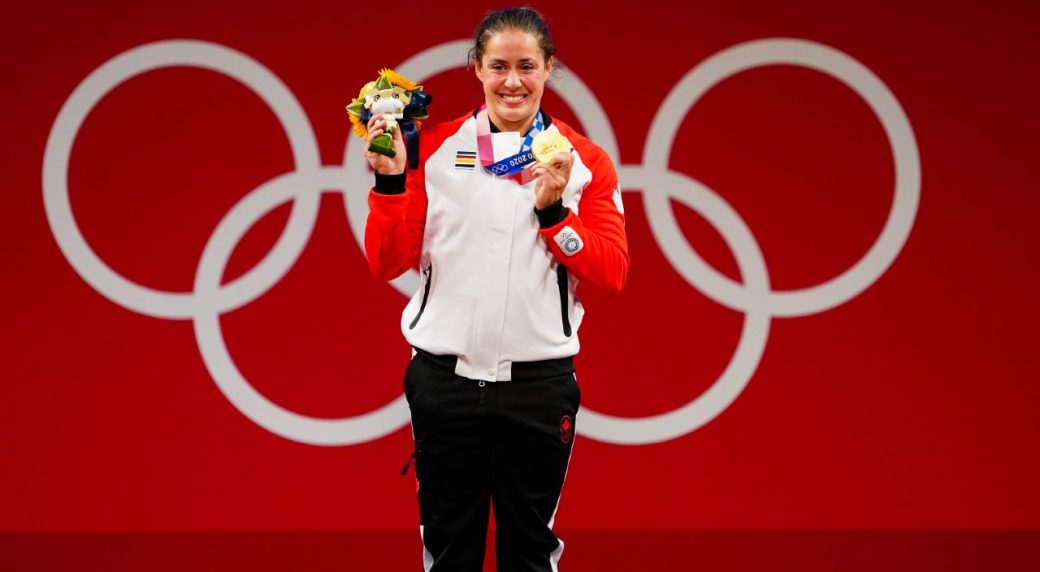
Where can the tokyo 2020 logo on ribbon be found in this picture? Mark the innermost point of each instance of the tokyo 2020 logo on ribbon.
(303, 186)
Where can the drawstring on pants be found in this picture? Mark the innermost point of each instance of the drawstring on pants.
(407, 464)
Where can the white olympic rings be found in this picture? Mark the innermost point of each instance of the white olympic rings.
(303, 186)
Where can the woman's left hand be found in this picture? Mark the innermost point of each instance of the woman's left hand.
(551, 179)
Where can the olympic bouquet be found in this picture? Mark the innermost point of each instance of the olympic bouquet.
(401, 102)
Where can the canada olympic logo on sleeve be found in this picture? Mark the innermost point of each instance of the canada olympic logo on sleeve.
(569, 241)
(210, 297)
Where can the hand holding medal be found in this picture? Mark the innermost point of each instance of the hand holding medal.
(546, 149)
(553, 170)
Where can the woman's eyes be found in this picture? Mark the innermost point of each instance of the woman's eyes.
(523, 68)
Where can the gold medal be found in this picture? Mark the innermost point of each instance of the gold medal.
(547, 143)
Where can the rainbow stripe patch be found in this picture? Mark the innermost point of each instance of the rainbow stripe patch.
(465, 160)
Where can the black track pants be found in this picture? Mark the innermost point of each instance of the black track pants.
(478, 442)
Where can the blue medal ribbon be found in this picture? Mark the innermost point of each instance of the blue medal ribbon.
(518, 162)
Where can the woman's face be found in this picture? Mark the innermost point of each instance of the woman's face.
(513, 72)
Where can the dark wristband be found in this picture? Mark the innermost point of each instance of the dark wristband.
(551, 215)
(390, 184)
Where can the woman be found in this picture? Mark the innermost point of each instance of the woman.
(494, 325)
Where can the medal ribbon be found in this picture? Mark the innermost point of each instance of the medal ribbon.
(510, 166)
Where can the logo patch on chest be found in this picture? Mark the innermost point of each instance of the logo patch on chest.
(465, 160)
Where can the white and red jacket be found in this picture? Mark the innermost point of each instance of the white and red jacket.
(499, 281)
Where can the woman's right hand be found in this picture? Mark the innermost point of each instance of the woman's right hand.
(381, 163)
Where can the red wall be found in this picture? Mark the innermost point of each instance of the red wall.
(904, 395)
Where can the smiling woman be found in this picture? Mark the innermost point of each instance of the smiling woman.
(502, 252)
(513, 66)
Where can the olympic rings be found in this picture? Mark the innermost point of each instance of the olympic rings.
(303, 186)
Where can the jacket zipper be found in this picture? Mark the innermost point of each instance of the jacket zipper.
(561, 281)
(426, 294)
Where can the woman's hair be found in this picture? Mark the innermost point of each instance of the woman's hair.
(523, 19)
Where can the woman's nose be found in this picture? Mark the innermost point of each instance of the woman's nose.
(513, 79)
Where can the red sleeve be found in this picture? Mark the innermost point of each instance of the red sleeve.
(599, 254)
(394, 233)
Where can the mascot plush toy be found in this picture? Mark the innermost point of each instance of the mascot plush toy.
(401, 102)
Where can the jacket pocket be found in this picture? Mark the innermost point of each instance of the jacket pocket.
(427, 275)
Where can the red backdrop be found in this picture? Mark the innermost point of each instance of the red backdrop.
(908, 399)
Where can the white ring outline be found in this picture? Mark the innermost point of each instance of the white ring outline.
(58, 208)
(262, 411)
(862, 81)
(753, 334)
(210, 299)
